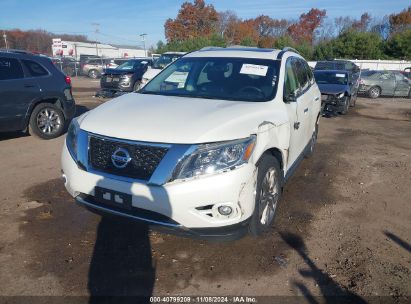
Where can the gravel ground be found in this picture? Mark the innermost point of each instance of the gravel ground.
(343, 227)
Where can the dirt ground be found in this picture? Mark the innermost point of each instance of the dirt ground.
(343, 227)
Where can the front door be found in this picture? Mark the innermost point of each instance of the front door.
(16, 93)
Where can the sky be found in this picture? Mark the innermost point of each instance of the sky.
(122, 22)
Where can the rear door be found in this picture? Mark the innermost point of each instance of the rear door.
(402, 85)
(387, 83)
(16, 94)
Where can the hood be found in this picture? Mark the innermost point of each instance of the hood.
(332, 89)
(166, 119)
(151, 73)
(123, 72)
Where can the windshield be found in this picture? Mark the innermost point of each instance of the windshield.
(331, 78)
(132, 64)
(165, 60)
(240, 79)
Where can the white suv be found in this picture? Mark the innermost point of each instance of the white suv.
(204, 149)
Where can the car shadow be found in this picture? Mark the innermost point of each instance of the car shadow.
(121, 265)
(398, 240)
(330, 289)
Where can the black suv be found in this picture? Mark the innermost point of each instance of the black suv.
(34, 95)
(126, 77)
(338, 81)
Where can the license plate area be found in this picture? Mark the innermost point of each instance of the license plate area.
(113, 198)
(109, 79)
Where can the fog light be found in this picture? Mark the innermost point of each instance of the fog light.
(225, 210)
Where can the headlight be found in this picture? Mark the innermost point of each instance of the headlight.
(216, 157)
(340, 95)
(71, 138)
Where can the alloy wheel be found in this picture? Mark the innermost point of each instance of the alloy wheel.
(269, 196)
(48, 121)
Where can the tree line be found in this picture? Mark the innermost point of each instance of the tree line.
(37, 41)
(313, 34)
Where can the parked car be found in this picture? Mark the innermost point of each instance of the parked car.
(34, 95)
(159, 64)
(126, 77)
(68, 65)
(407, 73)
(93, 67)
(204, 148)
(338, 91)
(384, 83)
(114, 63)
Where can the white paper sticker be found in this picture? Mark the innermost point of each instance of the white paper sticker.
(339, 75)
(253, 69)
(178, 77)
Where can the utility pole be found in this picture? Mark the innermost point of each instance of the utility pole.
(96, 31)
(143, 38)
(5, 39)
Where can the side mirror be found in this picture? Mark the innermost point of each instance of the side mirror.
(291, 97)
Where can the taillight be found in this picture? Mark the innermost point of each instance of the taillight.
(68, 80)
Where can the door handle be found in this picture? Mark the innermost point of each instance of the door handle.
(305, 110)
(317, 98)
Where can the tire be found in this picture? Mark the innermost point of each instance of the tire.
(136, 86)
(346, 106)
(47, 121)
(313, 142)
(94, 74)
(374, 92)
(353, 100)
(263, 216)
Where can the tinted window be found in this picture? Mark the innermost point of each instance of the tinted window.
(10, 68)
(35, 69)
(290, 82)
(301, 74)
(326, 77)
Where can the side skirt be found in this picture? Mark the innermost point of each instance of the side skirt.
(296, 163)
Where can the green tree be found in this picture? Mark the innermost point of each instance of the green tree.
(399, 45)
(358, 45)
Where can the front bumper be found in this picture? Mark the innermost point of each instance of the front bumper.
(182, 206)
(333, 105)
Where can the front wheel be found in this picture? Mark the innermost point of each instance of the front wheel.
(345, 107)
(268, 193)
(353, 100)
(47, 121)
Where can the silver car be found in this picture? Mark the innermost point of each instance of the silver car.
(386, 83)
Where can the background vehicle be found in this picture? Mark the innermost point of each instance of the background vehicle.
(159, 64)
(94, 67)
(407, 73)
(69, 66)
(338, 90)
(126, 77)
(204, 148)
(34, 94)
(386, 83)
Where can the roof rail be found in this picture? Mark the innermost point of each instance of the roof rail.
(15, 51)
(290, 49)
(207, 48)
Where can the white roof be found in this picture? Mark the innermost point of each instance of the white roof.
(236, 51)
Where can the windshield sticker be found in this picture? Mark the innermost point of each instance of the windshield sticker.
(339, 75)
(253, 69)
(178, 78)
